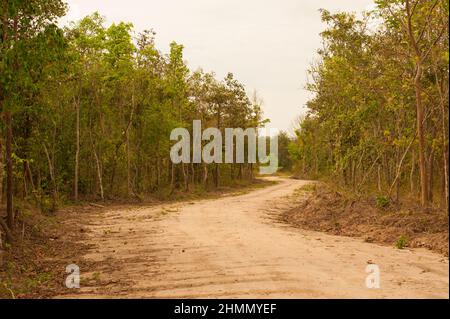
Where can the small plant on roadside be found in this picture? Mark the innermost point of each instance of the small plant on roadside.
(382, 201)
(308, 187)
(46, 205)
(96, 276)
(402, 242)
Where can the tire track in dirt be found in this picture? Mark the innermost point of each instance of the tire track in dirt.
(233, 247)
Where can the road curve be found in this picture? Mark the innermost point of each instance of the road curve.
(232, 247)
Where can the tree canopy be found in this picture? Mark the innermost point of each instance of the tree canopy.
(379, 117)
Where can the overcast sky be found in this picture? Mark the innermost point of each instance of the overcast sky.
(267, 44)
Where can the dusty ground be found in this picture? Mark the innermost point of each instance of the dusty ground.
(34, 266)
(335, 212)
(234, 247)
(45, 243)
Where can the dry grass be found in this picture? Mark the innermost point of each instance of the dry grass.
(336, 213)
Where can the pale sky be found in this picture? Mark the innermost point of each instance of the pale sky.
(267, 44)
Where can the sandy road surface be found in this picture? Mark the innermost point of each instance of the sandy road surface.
(234, 247)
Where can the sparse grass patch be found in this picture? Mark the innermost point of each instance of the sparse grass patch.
(382, 201)
(310, 187)
(401, 242)
(34, 265)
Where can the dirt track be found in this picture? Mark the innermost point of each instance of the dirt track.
(233, 247)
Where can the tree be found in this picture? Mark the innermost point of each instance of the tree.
(21, 22)
(418, 22)
(94, 107)
(380, 102)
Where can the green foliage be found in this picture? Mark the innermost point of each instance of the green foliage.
(382, 201)
(46, 205)
(360, 128)
(92, 94)
(401, 242)
(284, 160)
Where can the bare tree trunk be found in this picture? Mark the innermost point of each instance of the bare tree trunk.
(27, 178)
(192, 173)
(98, 166)
(158, 171)
(445, 155)
(99, 175)
(398, 178)
(411, 173)
(9, 171)
(424, 199)
(216, 175)
(29, 175)
(129, 191)
(379, 178)
(445, 159)
(172, 175)
(77, 151)
(399, 166)
(430, 176)
(113, 174)
(353, 174)
(185, 177)
(127, 136)
(419, 57)
(8, 125)
(205, 174)
(9, 236)
(442, 104)
(52, 178)
(1, 170)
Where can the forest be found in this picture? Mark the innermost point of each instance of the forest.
(88, 109)
(99, 200)
(378, 120)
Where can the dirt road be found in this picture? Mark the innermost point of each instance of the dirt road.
(233, 247)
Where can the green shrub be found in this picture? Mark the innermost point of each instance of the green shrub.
(402, 242)
(46, 205)
(382, 201)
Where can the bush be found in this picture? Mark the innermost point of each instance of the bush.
(401, 242)
(382, 201)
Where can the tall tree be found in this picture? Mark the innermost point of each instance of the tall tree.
(21, 22)
(419, 22)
